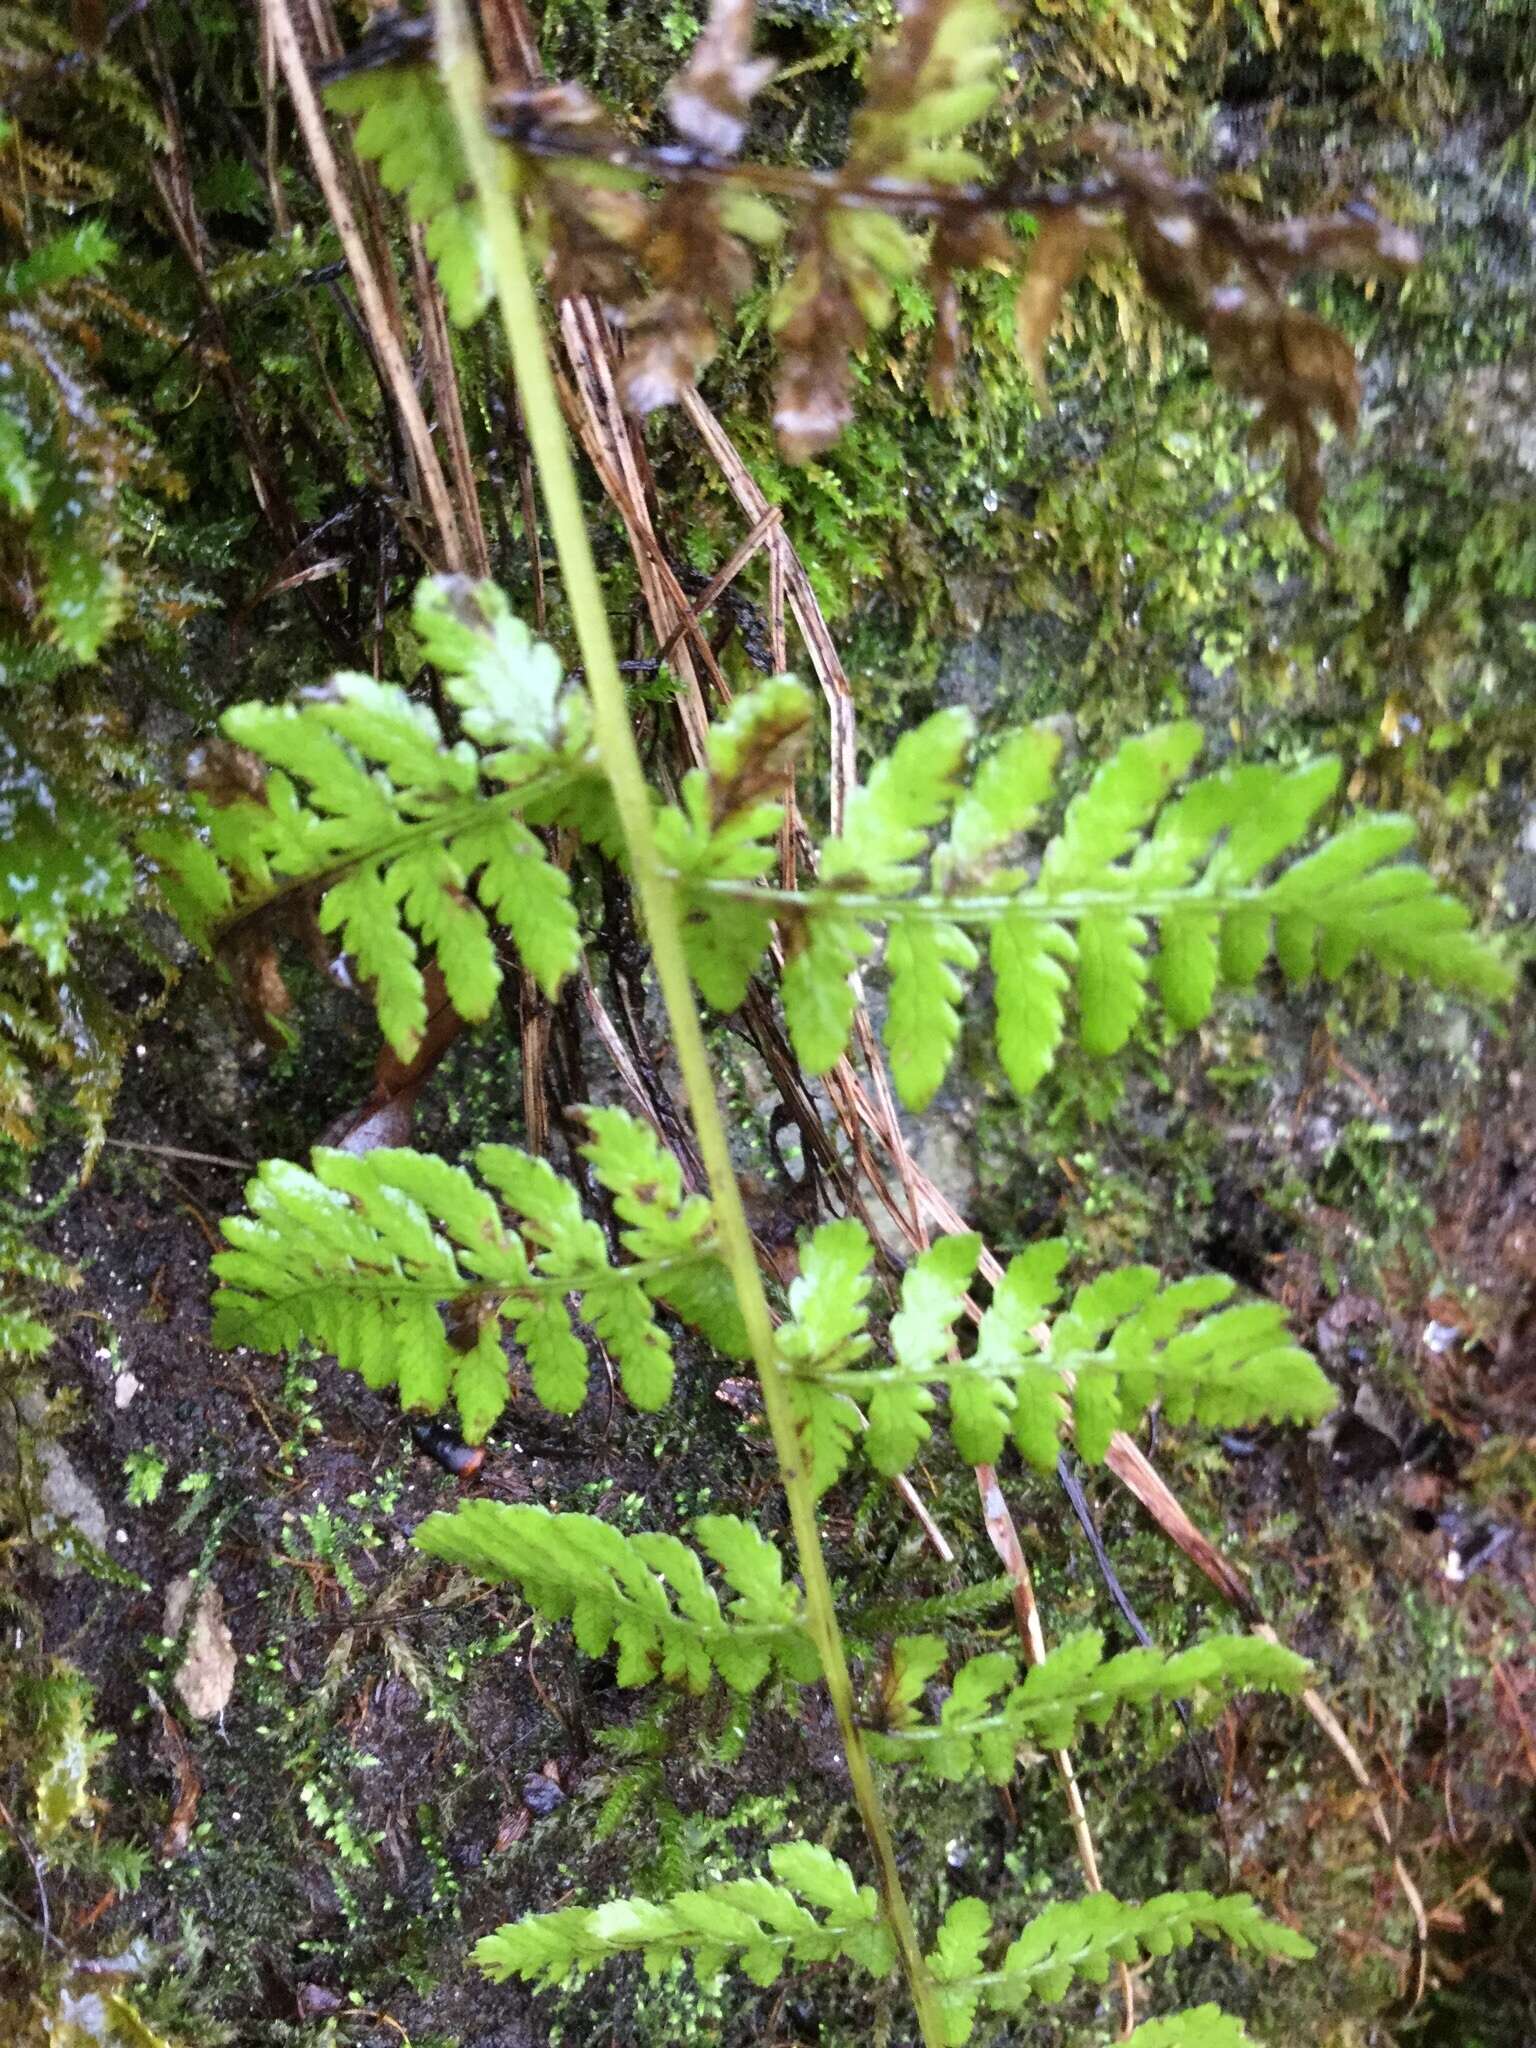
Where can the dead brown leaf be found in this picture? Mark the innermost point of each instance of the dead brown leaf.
(176, 1751)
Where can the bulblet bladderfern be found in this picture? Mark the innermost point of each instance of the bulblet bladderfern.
(988, 1715)
(352, 805)
(412, 843)
(941, 857)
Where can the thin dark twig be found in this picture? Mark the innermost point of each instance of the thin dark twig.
(181, 1152)
(44, 1924)
(1077, 1500)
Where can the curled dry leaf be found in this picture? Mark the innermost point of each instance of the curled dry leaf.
(590, 219)
(700, 270)
(819, 329)
(206, 1678)
(1068, 235)
(697, 255)
(960, 242)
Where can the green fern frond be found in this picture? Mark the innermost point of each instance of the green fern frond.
(1203, 2026)
(1084, 1938)
(988, 1716)
(726, 829)
(22, 1336)
(1202, 873)
(647, 1595)
(406, 127)
(403, 1267)
(65, 864)
(969, 1603)
(664, 1226)
(411, 845)
(815, 1913)
(1126, 1341)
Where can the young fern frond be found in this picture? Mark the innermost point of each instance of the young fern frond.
(1084, 1938)
(1211, 874)
(1125, 1341)
(353, 800)
(404, 1267)
(990, 1713)
(1203, 2026)
(816, 1913)
(647, 1595)
(406, 127)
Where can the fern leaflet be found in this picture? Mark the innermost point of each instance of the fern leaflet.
(815, 1913)
(1126, 1341)
(1084, 1938)
(1203, 873)
(404, 1266)
(406, 127)
(647, 1594)
(408, 844)
(988, 1715)
(1203, 2026)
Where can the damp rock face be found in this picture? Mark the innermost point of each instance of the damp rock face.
(61, 1504)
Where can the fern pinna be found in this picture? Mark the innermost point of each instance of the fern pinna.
(354, 806)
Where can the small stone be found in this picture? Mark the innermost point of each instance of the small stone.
(541, 1795)
(124, 1388)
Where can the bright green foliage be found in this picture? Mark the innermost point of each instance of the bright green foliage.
(726, 830)
(647, 1595)
(922, 1334)
(988, 1716)
(827, 1332)
(1125, 1341)
(886, 830)
(411, 844)
(22, 1335)
(403, 1267)
(68, 1750)
(407, 129)
(64, 864)
(1202, 872)
(64, 454)
(1204, 2026)
(815, 1913)
(1084, 1938)
(957, 1962)
(665, 1225)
